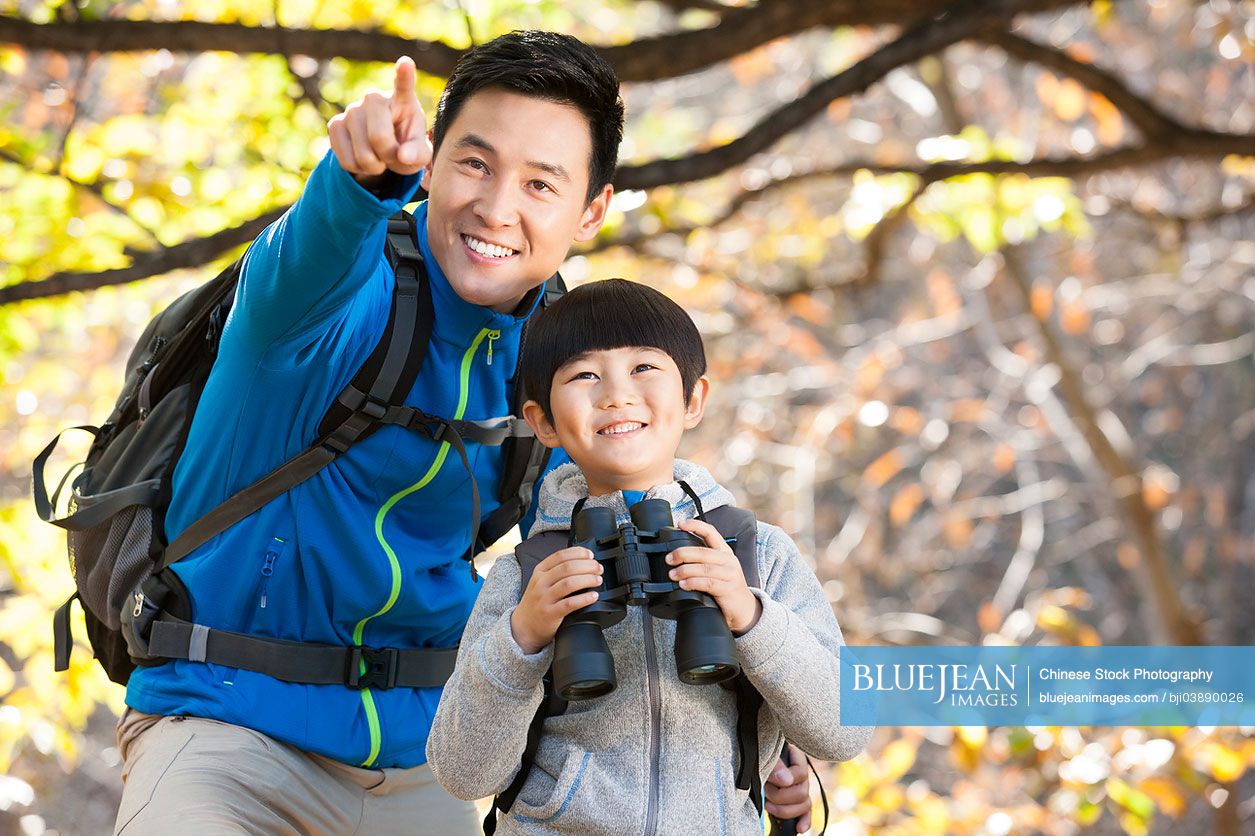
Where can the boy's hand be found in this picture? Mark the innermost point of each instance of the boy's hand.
(789, 790)
(536, 619)
(716, 571)
(378, 132)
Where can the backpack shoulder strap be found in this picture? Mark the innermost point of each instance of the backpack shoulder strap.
(384, 379)
(392, 367)
(739, 528)
(535, 549)
(529, 554)
(525, 457)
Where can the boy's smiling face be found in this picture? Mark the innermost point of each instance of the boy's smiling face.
(619, 413)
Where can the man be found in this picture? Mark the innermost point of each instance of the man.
(368, 551)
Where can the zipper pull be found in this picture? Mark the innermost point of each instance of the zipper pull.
(492, 335)
(268, 569)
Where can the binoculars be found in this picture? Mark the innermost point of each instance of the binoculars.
(635, 572)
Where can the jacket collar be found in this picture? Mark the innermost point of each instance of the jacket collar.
(458, 321)
(565, 485)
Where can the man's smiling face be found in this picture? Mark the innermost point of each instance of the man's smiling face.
(508, 195)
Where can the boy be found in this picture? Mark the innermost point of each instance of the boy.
(617, 374)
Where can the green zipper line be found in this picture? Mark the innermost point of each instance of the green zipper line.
(368, 698)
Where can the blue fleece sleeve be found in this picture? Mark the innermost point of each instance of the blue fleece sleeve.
(309, 263)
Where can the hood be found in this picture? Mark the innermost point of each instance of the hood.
(565, 485)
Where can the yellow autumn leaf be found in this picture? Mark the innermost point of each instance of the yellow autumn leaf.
(897, 759)
(1225, 764)
(1166, 793)
(888, 797)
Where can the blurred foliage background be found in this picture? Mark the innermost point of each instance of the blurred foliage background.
(977, 291)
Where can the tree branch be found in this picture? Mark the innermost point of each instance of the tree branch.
(648, 59)
(1077, 167)
(192, 253)
(1149, 119)
(876, 240)
(963, 21)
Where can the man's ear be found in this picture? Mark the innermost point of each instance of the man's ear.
(696, 406)
(595, 215)
(424, 176)
(535, 418)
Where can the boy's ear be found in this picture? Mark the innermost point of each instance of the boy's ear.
(535, 418)
(696, 406)
(595, 215)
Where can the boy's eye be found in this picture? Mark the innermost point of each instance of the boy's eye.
(584, 376)
(643, 367)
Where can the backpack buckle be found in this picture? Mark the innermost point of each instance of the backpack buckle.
(371, 667)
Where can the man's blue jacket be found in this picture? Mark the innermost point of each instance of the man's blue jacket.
(368, 551)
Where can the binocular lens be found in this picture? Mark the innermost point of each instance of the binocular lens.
(582, 665)
(593, 524)
(708, 674)
(704, 651)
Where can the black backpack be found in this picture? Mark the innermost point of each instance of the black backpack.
(137, 611)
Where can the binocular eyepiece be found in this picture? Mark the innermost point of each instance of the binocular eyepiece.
(635, 572)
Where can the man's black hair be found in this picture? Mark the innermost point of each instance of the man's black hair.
(614, 313)
(549, 66)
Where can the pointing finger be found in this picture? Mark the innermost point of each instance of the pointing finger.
(404, 80)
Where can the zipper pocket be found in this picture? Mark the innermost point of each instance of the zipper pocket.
(268, 570)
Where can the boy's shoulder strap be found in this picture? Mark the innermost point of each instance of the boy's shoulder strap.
(535, 549)
(739, 528)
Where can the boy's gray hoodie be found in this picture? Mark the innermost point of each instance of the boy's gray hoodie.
(655, 756)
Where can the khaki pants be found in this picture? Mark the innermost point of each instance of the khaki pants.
(195, 777)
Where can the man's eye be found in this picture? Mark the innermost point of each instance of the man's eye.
(541, 186)
(478, 165)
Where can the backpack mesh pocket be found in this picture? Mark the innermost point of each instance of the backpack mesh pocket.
(110, 559)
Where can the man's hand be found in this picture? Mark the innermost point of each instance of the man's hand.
(379, 132)
(789, 790)
(536, 619)
(716, 571)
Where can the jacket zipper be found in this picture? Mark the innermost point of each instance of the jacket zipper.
(492, 335)
(368, 697)
(268, 569)
(655, 722)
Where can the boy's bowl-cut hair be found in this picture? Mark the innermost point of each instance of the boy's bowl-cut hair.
(614, 313)
(546, 65)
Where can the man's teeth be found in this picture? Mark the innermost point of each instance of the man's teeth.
(484, 248)
(622, 428)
